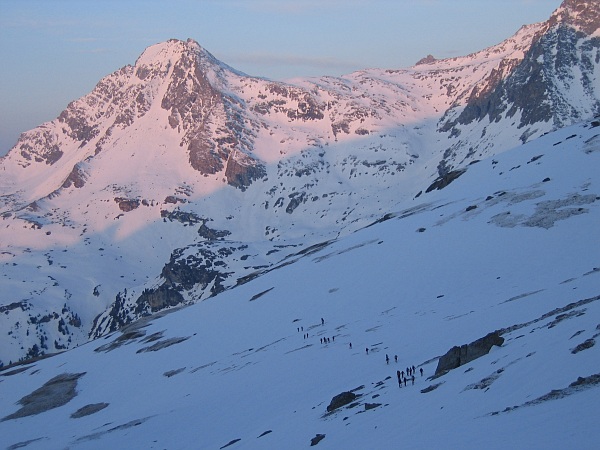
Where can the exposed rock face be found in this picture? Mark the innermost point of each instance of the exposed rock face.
(318, 438)
(561, 54)
(76, 178)
(88, 410)
(242, 170)
(340, 400)
(127, 204)
(458, 356)
(199, 269)
(445, 179)
(429, 59)
(212, 121)
(39, 145)
(56, 392)
(582, 14)
(210, 234)
(158, 299)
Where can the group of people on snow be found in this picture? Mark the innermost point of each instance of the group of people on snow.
(403, 376)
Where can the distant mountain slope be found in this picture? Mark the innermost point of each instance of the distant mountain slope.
(179, 177)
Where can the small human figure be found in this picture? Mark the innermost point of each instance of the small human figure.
(413, 369)
(402, 373)
(399, 378)
(350, 345)
(421, 369)
(387, 359)
(322, 321)
(367, 350)
(302, 328)
(404, 382)
(321, 340)
(396, 358)
(413, 380)
(333, 338)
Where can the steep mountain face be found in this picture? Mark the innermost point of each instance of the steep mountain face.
(536, 87)
(179, 177)
(555, 83)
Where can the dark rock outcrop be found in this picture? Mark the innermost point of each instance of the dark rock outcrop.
(76, 178)
(561, 53)
(202, 268)
(341, 400)
(242, 170)
(429, 59)
(127, 204)
(56, 392)
(159, 299)
(88, 410)
(457, 356)
(212, 235)
(589, 343)
(444, 180)
(318, 438)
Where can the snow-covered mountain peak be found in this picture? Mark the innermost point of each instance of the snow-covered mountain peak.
(164, 55)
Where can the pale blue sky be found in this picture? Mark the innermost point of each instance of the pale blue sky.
(54, 51)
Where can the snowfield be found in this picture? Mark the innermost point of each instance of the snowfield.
(509, 246)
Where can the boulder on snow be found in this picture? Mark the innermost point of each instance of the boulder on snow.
(341, 400)
(318, 438)
(457, 356)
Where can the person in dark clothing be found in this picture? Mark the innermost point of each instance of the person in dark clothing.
(322, 321)
(396, 358)
(387, 359)
(350, 345)
(399, 378)
(421, 369)
(367, 350)
(413, 380)
(404, 382)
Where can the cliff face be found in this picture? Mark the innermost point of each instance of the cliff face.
(563, 54)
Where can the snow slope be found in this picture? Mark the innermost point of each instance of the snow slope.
(510, 245)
